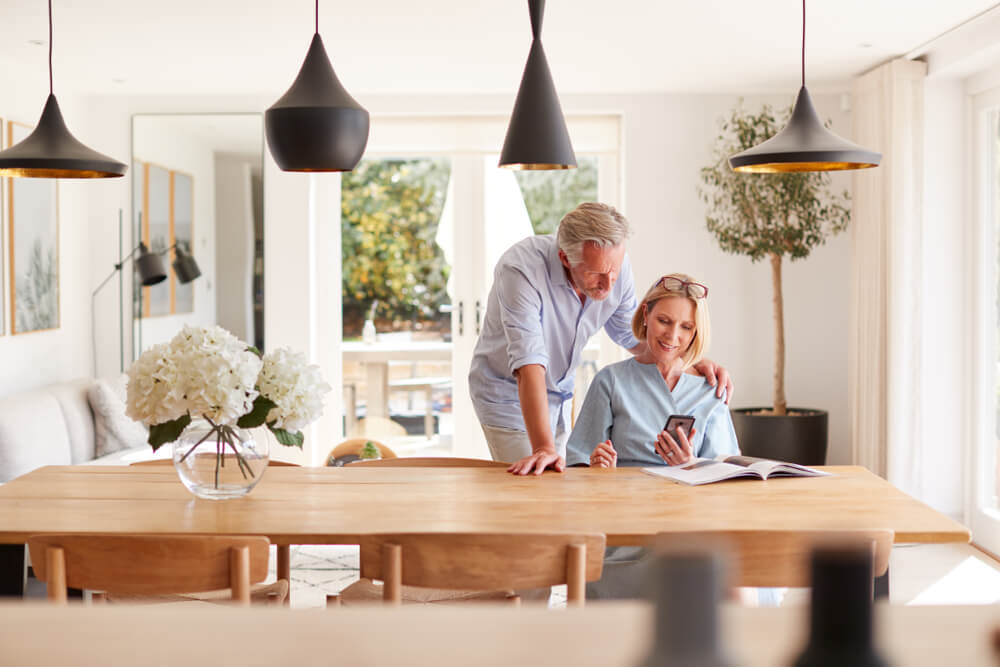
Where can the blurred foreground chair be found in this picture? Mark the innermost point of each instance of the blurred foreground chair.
(143, 568)
(464, 567)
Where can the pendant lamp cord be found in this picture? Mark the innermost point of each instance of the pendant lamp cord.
(803, 42)
(50, 46)
(317, 15)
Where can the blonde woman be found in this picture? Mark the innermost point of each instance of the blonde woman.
(623, 416)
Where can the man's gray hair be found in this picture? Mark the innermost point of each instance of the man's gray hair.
(591, 221)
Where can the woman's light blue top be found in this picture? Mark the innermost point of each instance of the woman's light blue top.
(629, 402)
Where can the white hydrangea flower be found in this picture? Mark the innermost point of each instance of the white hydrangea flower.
(202, 372)
(154, 389)
(295, 387)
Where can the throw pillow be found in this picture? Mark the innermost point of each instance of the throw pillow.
(113, 429)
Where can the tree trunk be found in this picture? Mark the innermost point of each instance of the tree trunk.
(780, 404)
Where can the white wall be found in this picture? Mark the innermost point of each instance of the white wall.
(35, 359)
(176, 151)
(234, 228)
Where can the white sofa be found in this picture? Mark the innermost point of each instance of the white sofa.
(56, 425)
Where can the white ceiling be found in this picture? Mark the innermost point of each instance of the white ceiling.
(216, 47)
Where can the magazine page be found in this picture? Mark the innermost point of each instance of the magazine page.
(702, 471)
(770, 468)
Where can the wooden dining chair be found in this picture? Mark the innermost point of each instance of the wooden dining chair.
(430, 462)
(780, 558)
(149, 565)
(452, 567)
(284, 554)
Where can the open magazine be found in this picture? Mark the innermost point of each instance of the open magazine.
(707, 471)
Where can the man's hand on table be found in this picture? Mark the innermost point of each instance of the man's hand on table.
(538, 462)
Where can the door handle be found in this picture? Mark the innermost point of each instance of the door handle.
(479, 310)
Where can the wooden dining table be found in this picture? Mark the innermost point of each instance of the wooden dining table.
(293, 505)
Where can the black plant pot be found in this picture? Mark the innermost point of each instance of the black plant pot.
(798, 438)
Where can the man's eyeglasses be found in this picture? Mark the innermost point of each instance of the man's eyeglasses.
(672, 284)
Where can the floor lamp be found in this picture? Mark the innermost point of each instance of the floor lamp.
(149, 265)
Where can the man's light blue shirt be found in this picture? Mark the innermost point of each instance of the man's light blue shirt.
(629, 402)
(534, 316)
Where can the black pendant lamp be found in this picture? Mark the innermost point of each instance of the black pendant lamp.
(536, 136)
(316, 125)
(51, 151)
(804, 144)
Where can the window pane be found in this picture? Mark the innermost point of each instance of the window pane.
(392, 265)
(549, 195)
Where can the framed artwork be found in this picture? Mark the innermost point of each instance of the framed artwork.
(156, 234)
(181, 231)
(33, 242)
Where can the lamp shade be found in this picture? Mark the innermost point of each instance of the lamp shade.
(804, 145)
(316, 125)
(150, 267)
(537, 137)
(184, 266)
(51, 151)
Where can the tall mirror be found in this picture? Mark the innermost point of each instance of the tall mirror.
(198, 193)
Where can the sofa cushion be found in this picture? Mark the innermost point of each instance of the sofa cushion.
(33, 433)
(72, 398)
(113, 429)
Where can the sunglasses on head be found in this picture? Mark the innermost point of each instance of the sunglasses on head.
(672, 284)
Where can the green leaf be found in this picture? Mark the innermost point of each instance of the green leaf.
(258, 414)
(161, 434)
(290, 438)
(251, 348)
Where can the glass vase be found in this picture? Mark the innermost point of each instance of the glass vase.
(222, 461)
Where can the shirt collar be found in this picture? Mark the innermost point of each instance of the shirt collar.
(557, 272)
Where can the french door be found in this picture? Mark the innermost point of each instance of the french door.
(484, 211)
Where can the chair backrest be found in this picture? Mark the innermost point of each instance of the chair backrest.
(483, 561)
(780, 558)
(354, 445)
(430, 462)
(170, 462)
(149, 564)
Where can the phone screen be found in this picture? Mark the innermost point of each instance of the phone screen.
(683, 422)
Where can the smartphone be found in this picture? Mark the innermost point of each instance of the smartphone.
(684, 422)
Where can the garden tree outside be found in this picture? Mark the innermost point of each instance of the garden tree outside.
(390, 210)
(768, 215)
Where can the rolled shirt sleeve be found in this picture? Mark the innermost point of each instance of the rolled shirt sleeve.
(520, 314)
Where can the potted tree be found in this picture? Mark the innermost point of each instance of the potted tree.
(772, 216)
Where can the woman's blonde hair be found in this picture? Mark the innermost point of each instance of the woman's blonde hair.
(702, 327)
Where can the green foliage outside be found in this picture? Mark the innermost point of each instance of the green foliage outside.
(549, 195)
(768, 215)
(390, 211)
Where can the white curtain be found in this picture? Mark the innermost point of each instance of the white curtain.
(885, 340)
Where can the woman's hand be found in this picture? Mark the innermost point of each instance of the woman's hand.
(538, 462)
(717, 376)
(604, 456)
(674, 452)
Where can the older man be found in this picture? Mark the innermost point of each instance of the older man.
(550, 294)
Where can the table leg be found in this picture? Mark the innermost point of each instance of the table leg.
(285, 568)
(13, 570)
